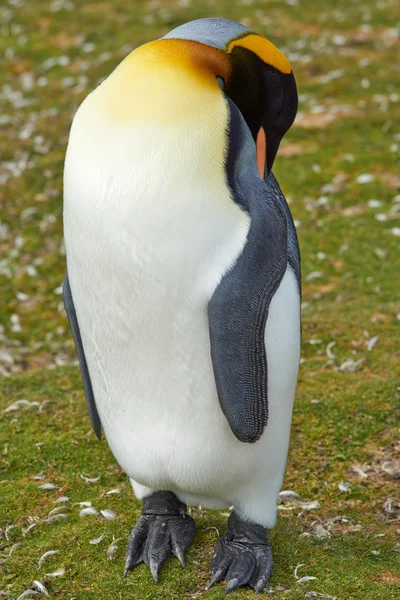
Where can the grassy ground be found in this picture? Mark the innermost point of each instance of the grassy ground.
(339, 167)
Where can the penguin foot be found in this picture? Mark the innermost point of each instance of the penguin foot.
(164, 528)
(242, 556)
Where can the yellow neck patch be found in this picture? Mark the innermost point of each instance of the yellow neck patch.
(264, 50)
(163, 81)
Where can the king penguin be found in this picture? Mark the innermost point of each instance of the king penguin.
(183, 286)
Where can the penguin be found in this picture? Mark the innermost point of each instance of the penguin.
(183, 286)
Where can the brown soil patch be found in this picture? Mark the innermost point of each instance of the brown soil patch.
(323, 119)
(388, 578)
(391, 179)
(290, 150)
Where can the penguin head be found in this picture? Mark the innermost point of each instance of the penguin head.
(254, 74)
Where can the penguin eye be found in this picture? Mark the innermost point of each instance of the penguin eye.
(221, 82)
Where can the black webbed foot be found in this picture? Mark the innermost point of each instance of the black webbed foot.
(164, 528)
(242, 556)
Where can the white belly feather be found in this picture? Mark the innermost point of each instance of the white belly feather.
(144, 257)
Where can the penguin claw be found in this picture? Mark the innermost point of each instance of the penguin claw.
(164, 528)
(154, 568)
(260, 585)
(219, 573)
(232, 584)
(243, 556)
(177, 550)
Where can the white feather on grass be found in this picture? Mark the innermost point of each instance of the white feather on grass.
(41, 588)
(96, 540)
(344, 486)
(28, 529)
(57, 510)
(297, 568)
(27, 593)
(328, 350)
(359, 471)
(88, 511)
(286, 493)
(89, 479)
(48, 486)
(14, 547)
(320, 595)
(58, 573)
(108, 514)
(7, 529)
(46, 555)
(18, 404)
(54, 518)
(302, 579)
(61, 500)
(112, 549)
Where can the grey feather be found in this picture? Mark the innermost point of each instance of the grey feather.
(87, 384)
(214, 32)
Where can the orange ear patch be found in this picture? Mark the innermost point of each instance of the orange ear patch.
(264, 50)
(261, 151)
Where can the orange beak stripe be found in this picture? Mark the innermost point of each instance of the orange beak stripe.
(261, 151)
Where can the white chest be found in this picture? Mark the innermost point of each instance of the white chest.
(144, 254)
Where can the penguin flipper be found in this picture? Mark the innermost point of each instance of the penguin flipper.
(87, 384)
(238, 308)
(238, 312)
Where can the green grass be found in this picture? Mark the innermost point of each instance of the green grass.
(342, 419)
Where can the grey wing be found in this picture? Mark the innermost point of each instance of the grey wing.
(87, 384)
(238, 309)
